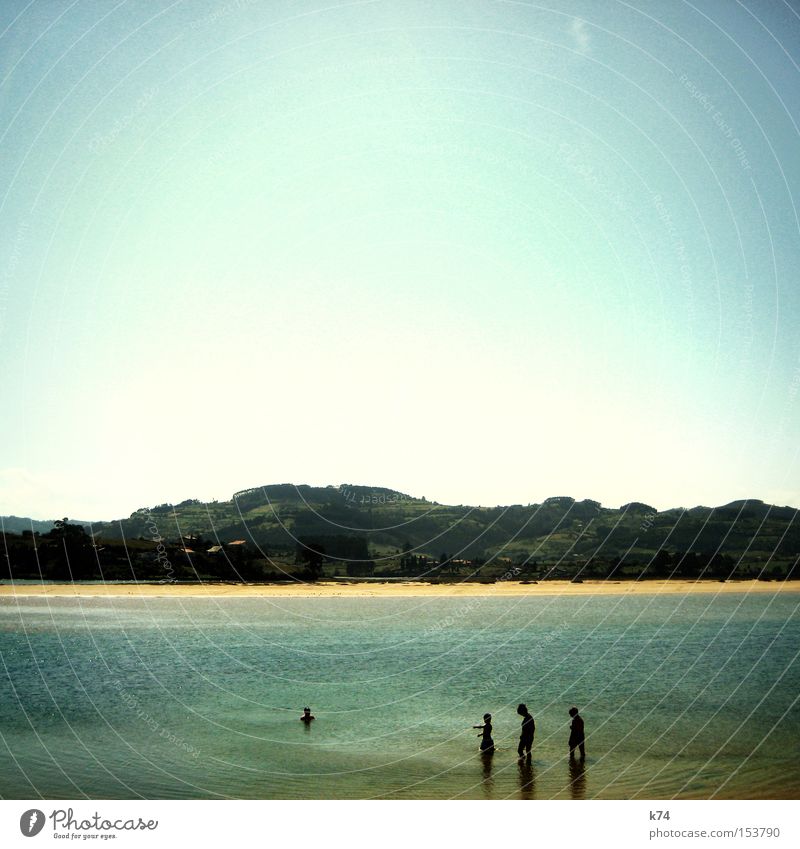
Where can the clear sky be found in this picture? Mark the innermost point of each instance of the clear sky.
(484, 252)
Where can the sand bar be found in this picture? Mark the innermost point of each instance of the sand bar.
(394, 590)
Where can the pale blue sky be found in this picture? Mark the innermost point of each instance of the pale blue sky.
(484, 252)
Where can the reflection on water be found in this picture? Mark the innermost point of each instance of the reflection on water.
(526, 779)
(488, 781)
(577, 778)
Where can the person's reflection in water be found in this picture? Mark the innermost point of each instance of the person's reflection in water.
(488, 781)
(526, 779)
(577, 778)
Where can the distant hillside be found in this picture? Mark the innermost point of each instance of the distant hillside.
(18, 524)
(278, 515)
(283, 531)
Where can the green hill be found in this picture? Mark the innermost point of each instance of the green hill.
(277, 516)
(285, 529)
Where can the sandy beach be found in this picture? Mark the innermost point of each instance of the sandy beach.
(410, 589)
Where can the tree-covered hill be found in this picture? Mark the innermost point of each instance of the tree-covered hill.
(283, 529)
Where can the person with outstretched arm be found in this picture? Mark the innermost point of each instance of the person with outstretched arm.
(528, 730)
(487, 744)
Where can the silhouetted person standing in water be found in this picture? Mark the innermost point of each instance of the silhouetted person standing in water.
(487, 744)
(576, 735)
(307, 717)
(528, 730)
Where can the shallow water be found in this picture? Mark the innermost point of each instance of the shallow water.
(683, 696)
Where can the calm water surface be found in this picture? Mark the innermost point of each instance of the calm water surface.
(200, 698)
